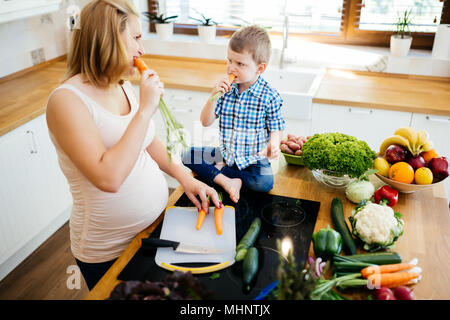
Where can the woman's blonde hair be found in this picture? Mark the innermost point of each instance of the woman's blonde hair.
(253, 39)
(97, 51)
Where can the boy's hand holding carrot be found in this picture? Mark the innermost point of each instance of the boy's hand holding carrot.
(222, 86)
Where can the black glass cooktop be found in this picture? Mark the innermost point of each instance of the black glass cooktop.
(282, 217)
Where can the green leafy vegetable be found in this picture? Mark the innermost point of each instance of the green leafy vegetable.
(339, 153)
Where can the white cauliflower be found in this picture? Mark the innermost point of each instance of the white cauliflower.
(378, 226)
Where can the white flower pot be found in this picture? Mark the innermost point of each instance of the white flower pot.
(400, 47)
(164, 30)
(207, 33)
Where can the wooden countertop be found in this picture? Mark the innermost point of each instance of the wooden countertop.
(398, 92)
(24, 94)
(425, 213)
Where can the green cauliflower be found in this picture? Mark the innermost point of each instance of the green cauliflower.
(376, 225)
(338, 152)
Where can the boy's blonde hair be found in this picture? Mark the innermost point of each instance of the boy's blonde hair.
(253, 39)
(96, 50)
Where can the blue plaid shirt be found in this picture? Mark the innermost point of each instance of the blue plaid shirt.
(245, 122)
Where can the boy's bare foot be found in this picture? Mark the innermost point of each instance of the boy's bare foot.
(231, 185)
(220, 165)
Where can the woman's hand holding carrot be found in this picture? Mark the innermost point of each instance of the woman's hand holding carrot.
(150, 91)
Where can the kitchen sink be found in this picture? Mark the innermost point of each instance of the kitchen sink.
(297, 86)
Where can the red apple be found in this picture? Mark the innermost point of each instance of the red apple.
(416, 162)
(395, 153)
(439, 167)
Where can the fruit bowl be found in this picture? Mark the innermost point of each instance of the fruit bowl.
(292, 159)
(406, 187)
(332, 179)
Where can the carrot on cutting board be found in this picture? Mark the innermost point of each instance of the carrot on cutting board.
(201, 217)
(218, 216)
(391, 280)
(386, 268)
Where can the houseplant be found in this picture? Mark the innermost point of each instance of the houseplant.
(163, 25)
(206, 28)
(401, 39)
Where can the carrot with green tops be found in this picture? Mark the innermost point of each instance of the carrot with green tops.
(231, 78)
(386, 268)
(172, 125)
(391, 280)
(140, 65)
(218, 216)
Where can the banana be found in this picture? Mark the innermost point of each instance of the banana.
(408, 133)
(395, 139)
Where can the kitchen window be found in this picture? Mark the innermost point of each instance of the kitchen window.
(361, 22)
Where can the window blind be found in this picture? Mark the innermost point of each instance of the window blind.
(381, 15)
(306, 16)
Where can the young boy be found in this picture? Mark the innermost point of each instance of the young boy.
(250, 120)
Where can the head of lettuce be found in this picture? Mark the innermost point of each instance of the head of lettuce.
(339, 153)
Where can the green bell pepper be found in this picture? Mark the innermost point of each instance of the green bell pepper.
(327, 242)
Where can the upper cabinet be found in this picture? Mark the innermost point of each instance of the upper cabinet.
(19, 9)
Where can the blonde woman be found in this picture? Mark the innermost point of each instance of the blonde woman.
(105, 139)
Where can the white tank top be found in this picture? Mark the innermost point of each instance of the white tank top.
(103, 224)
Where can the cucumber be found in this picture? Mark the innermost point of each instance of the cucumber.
(337, 216)
(250, 266)
(248, 239)
(377, 258)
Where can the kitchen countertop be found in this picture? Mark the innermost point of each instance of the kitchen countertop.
(24, 95)
(425, 213)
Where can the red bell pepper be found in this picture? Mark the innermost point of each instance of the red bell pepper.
(386, 195)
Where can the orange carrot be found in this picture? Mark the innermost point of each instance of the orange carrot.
(140, 65)
(200, 219)
(218, 217)
(390, 280)
(231, 78)
(387, 268)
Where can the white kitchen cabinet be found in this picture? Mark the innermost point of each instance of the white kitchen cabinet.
(438, 128)
(370, 125)
(297, 127)
(34, 195)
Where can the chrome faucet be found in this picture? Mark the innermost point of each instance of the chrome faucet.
(285, 34)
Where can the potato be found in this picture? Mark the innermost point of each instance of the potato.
(283, 141)
(291, 137)
(298, 152)
(284, 148)
(293, 146)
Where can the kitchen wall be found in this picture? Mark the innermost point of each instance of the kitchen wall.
(310, 54)
(30, 41)
(33, 40)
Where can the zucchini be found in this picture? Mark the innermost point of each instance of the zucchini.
(248, 239)
(250, 266)
(337, 216)
(377, 258)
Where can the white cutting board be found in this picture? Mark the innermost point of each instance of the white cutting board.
(179, 225)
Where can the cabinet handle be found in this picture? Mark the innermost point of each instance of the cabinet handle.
(369, 111)
(33, 142)
(181, 110)
(438, 119)
(178, 98)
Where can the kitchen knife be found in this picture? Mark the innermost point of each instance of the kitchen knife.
(177, 246)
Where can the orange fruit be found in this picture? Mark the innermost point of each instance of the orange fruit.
(401, 172)
(428, 155)
(423, 176)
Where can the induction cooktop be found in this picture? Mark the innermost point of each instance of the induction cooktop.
(282, 218)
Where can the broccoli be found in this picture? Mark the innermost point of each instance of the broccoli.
(339, 153)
